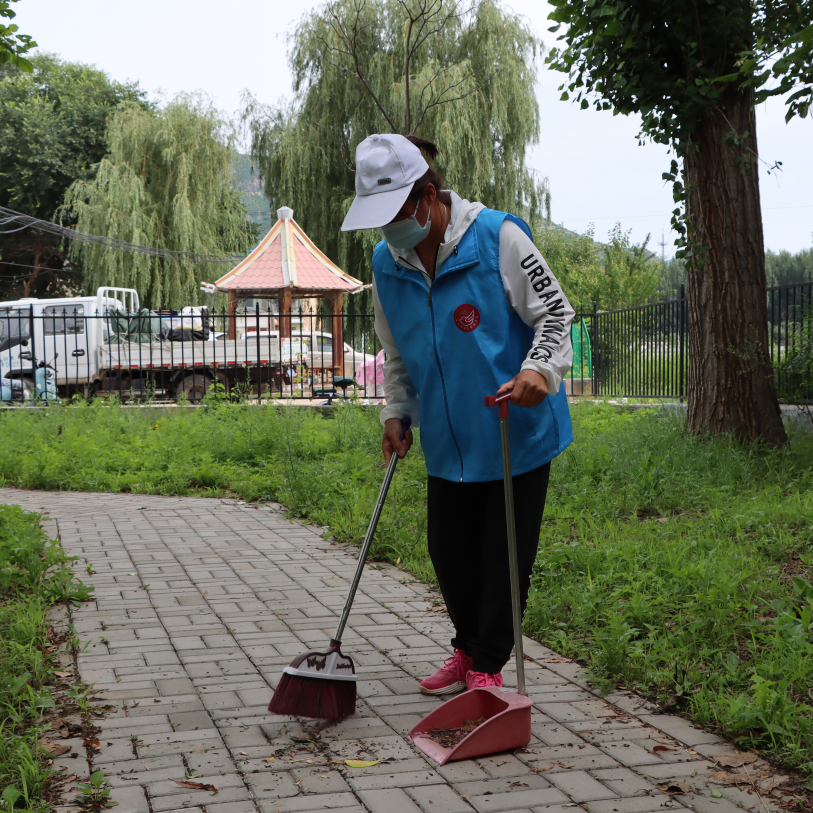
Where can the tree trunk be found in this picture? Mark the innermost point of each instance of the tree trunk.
(29, 283)
(731, 387)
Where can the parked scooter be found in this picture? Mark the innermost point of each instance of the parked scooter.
(20, 390)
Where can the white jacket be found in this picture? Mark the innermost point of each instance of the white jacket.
(551, 352)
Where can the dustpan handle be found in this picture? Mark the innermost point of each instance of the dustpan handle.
(513, 563)
(368, 540)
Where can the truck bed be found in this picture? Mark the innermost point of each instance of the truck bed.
(175, 355)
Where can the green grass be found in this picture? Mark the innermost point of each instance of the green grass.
(34, 574)
(675, 565)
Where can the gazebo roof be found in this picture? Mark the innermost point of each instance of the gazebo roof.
(287, 258)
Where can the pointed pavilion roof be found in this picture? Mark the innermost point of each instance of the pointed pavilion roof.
(287, 258)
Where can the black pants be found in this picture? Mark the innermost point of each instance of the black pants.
(468, 545)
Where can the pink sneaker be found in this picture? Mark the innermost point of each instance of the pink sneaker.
(479, 680)
(451, 677)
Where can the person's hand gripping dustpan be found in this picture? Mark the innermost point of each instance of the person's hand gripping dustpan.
(506, 716)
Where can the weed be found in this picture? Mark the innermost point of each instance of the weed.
(95, 794)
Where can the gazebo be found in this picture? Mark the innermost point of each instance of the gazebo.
(287, 265)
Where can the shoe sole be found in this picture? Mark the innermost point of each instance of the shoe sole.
(452, 688)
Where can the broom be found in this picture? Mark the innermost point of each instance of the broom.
(323, 684)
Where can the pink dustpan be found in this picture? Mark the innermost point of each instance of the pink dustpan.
(507, 724)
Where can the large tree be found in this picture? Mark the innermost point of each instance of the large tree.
(694, 72)
(53, 122)
(166, 181)
(461, 75)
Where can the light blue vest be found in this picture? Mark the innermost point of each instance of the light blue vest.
(460, 343)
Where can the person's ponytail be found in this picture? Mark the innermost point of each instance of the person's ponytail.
(428, 148)
(430, 151)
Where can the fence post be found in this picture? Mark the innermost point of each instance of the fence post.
(682, 334)
(593, 346)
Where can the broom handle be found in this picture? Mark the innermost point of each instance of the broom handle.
(511, 528)
(368, 540)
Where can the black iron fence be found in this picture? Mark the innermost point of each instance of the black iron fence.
(51, 351)
(644, 352)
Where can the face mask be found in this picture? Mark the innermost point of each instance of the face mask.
(405, 233)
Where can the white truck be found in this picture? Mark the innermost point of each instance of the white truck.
(104, 344)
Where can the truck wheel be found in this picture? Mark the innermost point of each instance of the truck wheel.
(194, 387)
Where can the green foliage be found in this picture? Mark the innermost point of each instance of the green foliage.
(167, 181)
(784, 268)
(52, 130)
(677, 565)
(616, 275)
(781, 268)
(34, 572)
(12, 44)
(670, 67)
(462, 78)
(677, 69)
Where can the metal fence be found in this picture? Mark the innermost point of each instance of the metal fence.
(48, 351)
(644, 352)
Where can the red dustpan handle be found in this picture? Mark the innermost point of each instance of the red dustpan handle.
(513, 563)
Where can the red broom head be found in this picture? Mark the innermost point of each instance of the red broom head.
(298, 696)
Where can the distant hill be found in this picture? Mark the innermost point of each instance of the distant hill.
(251, 190)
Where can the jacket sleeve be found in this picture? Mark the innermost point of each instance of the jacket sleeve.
(536, 297)
(402, 398)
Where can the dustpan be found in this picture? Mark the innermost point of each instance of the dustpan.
(506, 715)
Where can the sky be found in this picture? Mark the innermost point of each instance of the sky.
(598, 173)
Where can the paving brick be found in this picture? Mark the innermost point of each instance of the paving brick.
(623, 781)
(404, 779)
(320, 780)
(644, 804)
(231, 807)
(629, 754)
(438, 799)
(580, 786)
(517, 800)
(130, 800)
(393, 800)
(272, 785)
(345, 802)
(502, 765)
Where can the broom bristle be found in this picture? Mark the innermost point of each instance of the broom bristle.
(321, 698)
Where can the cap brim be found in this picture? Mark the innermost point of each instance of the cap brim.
(374, 211)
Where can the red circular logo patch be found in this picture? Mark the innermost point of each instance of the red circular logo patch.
(466, 317)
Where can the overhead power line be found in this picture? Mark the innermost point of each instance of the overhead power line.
(9, 216)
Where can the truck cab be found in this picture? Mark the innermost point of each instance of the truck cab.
(57, 331)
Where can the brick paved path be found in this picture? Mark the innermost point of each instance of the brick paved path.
(201, 602)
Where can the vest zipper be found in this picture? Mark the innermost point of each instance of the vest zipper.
(440, 370)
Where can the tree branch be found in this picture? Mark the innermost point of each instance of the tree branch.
(352, 45)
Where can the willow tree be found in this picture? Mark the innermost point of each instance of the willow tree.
(694, 73)
(462, 77)
(167, 181)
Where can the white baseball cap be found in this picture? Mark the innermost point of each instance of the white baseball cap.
(386, 168)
